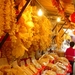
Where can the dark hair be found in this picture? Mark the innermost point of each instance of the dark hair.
(71, 44)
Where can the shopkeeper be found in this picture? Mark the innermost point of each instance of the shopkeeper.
(70, 53)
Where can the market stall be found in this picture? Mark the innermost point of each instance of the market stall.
(27, 36)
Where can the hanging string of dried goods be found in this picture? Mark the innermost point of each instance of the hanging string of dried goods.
(29, 34)
(58, 39)
(34, 28)
(7, 22)
(61, 10)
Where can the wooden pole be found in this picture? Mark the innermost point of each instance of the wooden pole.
(3, 40)
(54, 27)
(61, 27)
(64, 33)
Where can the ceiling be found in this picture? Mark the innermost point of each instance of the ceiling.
(52, 11)
(67, 5)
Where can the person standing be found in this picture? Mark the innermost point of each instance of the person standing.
(70, 53)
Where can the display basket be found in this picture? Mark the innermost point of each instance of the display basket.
(65, 73)
(69, 68)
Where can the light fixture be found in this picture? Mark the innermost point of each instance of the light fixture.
(40, 13)
(58, 19)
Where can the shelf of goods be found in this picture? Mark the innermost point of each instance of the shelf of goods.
(48, 64)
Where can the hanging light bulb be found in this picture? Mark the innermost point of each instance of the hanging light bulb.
(58, 19)
(40, 13)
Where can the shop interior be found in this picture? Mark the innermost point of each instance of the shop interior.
(34, 35)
